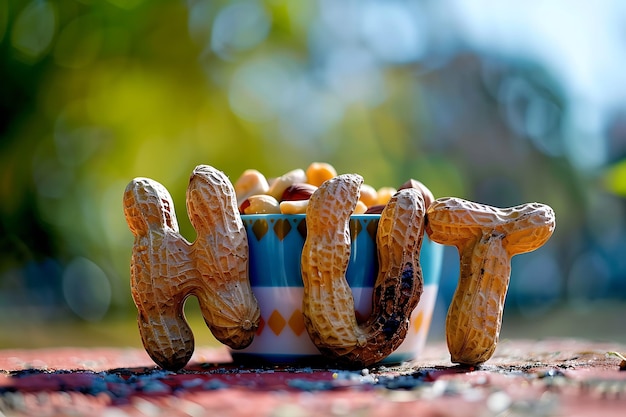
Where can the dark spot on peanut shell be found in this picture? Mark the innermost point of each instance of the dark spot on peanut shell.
(391, 327)
(407, 279)
(390, 294)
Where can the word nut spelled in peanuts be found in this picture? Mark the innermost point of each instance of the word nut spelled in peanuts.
(486, 238)
(166, 268)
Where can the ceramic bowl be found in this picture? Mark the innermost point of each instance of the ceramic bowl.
(275, 242)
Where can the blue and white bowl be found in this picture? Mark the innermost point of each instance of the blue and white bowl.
(275, 242)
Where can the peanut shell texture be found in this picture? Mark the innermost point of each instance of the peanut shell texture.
(166, 268)
(486, 238)
(328, 305)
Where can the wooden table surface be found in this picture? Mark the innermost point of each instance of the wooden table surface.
(558, 377)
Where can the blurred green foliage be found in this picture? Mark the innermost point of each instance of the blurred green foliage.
(95, 93)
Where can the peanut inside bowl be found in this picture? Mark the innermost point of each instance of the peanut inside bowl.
(275, 249)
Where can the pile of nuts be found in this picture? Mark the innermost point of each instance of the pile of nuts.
(290, 193)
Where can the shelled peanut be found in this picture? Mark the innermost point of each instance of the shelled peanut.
(290, 192)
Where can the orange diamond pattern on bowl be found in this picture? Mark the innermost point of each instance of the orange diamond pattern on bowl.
(355, 228)
(372, 229)
(301, 228)
(296, 322)
(417, 323)
(260, 228)
(276, 322)
(282, 228)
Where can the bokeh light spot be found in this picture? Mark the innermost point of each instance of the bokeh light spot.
(258, 90)
(615, 178)
(530, 113)
(86, 289)
(239, 27)
(392, 31)
(353, 74)
(322, 112)
(201, 12)
(34, 29)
